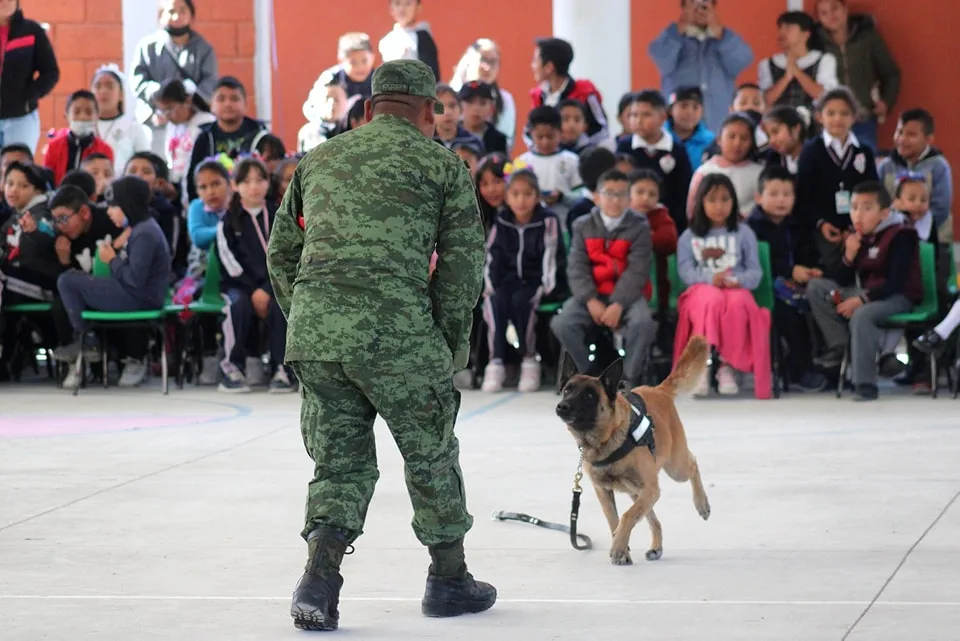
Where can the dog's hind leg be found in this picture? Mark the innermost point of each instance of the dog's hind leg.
(656, 536)
(646, 499)
(609, 506)
(684, 468)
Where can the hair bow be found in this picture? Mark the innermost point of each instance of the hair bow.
(514, 166)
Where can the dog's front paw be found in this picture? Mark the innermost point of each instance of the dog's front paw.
(704, 509)
(620, 557)
(654, 554)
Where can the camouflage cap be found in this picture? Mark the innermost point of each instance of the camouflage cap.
(409, 77)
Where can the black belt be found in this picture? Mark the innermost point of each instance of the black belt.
(578, 541)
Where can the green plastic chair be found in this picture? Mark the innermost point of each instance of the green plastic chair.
(211, 302)
(763, 294)
(28, 308)
(654, 288)
(676, 285)
(150, 319)
(952, 285)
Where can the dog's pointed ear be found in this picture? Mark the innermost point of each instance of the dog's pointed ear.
(610, 379)
(567, 370)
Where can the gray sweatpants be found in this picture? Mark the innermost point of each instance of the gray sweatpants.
(863, 327)
(637, 328)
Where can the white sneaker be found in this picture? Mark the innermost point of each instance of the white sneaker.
(72, 379)
(233, 381)
(210, 374)
(134, 373)
(727, 381)
(529, 375)
(703, 387)
(493, 376)
(255, 374)
(281, 384)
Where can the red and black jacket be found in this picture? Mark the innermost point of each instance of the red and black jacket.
(585, 92)
(65, 153)
(27, 53)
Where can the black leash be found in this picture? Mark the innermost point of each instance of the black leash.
(578, 541)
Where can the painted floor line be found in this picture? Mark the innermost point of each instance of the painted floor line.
(790, 603)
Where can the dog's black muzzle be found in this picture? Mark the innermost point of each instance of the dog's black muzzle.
(571, 415)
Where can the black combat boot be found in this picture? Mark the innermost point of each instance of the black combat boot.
(451, 590)
(317, 595)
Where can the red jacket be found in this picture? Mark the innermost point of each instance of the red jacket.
(56, 159)
(585, 92)
(663, 232)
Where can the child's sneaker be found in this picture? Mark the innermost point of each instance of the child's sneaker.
(255, 374)
(280, 383)
(134, 372)
(529, 375)
(703, 387)
(727, 381)
(72, 379)
(493, 376)
(233, 381)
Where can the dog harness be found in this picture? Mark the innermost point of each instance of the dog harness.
(640, 432)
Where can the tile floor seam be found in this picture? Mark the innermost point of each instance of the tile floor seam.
(903, 561)
(140, 478)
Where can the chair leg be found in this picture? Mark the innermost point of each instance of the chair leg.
(103, 359)
(81, 373)
(163, 358)
(775, 362)
(843, 370)
(934, 386)
(560, 362)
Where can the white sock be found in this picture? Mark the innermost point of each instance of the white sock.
(950, 323)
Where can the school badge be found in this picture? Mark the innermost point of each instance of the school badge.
(668, 163)
(860, 163)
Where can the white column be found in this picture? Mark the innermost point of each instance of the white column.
(794, 5)
(599, 31)
(263, 59)
(139, 20)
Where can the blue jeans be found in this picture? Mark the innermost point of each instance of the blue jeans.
(866, 133)
(24, 130)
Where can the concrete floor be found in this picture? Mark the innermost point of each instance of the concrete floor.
(129, 515)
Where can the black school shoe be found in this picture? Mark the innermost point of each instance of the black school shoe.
(866, 392)
(930, 343)
(830, 358)
(451, 590)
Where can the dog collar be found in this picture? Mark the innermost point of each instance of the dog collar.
(639, 433)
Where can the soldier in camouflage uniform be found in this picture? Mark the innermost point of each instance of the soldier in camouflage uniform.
(370, 332)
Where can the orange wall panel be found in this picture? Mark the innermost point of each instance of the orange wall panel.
(305, 47)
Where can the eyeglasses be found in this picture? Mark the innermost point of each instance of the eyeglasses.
(63, 220)
(615, 195)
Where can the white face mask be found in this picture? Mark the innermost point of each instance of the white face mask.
(83, 128)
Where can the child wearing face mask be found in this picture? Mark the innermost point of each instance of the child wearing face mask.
(525, 259)
(68, 147)
(737, 146)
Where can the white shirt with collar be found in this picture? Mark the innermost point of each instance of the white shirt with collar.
(664, 144)
(552, 98)
(840, 148)
(826, 73)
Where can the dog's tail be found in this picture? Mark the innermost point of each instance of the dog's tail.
(690, 367)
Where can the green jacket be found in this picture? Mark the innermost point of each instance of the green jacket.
(353, 280)
(864, 61)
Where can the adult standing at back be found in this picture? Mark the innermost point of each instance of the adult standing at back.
(28, 72)
(369, 331)
(698, 51)
(174, 52)
(864, 64)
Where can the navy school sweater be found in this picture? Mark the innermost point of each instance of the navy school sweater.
(669, 159)
(820, 175)
(527, 256)
(143, 269)
(241, 253)
(791, 242)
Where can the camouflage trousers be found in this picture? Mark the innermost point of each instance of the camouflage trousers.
(339, 403)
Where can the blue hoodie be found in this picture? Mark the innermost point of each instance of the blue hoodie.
(697, 144)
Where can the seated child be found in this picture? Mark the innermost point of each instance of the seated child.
(685, 122)
(139, 277)
(101, 168)
(915, 152)
(625, 163)
(749, 100)
(793, 259)
(573, 126)
(68, 147)
(717, 261)
(524, 260)
(653, 148)
(282, 177)
(608, 270)
(556, 169)
(737, 147)
(271, 151)
(169, 213)
(184, 123)
(830, 167)
(645, 188)
(28, 262)
(325, 108)
(477, 101)
(883, 253)
(470, 151)
(787, 130)
(490, 179)
(449, 128)
(242, 239)
(594, 162)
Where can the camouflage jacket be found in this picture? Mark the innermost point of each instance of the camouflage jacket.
(350, 251)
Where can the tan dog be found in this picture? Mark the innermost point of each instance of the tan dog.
(603, 422)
